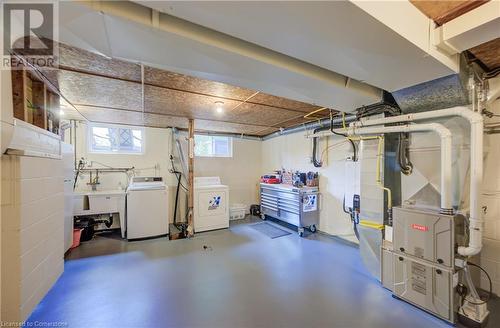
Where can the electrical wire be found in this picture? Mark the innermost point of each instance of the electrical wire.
(403, 155)
(330, 147)
(174, 171)
(315, 111)
(490, 292)
(358, 138)
(182, 186)
(351, 139)
(315, 162)
(492, 73)
(81, 165)
(354, 149)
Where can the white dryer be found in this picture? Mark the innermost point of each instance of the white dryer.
(211, 204)
(147, 208)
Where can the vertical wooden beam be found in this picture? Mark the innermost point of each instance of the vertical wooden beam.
(39, 103)
(53, 107)
(190, 228)
(19, 93)
(28, 95)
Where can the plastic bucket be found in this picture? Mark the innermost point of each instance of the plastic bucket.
(77, 234)
(237, 211)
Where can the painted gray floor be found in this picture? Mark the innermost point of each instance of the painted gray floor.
(243, 279)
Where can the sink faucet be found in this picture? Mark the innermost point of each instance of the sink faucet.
(93, 182)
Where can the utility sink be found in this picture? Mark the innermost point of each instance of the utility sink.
(101, 202)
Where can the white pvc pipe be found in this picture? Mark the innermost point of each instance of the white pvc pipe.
(476, 164)
(445, 136)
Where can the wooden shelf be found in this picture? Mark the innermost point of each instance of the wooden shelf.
(33, 102)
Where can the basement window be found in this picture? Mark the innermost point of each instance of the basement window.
(114, 139)
(213, 146)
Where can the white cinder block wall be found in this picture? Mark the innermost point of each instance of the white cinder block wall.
(490, 256)
(32, 232)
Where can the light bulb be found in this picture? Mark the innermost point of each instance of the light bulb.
(61, 112)
(219, 107)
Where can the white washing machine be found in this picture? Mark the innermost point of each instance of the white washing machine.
(147, 208)
(211, 204)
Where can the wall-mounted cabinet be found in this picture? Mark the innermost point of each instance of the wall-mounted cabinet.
(34, 101)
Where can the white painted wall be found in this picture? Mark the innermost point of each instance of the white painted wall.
(490, 256)
(240, 172)
(293, 153)
(158, 147)
(157, 151)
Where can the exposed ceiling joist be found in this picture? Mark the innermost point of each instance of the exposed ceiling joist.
(442, 12)
(115, 91)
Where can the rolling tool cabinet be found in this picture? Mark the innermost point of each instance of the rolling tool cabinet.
(296, 206)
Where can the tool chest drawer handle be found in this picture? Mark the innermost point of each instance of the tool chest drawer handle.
(269, 197)
(270, 207)
(288, 209)
(288, 202)
(268, 203)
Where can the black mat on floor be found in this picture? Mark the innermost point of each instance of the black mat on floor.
(270, 230)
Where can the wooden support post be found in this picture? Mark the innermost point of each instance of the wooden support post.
(19, 93)
(190, 228)
(39, 104)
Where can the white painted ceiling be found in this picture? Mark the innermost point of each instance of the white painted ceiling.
(335, 35)
(119, 38)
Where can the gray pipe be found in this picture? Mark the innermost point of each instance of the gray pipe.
(309, 126)
(156, 20)
(228, 134)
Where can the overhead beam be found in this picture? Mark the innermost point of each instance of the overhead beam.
(444, 11)
(471, 29)
(171, 24)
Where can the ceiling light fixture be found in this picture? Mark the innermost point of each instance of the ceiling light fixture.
(219, 107)
(61, 112)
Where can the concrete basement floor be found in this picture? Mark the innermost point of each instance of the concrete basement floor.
(244, 279)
